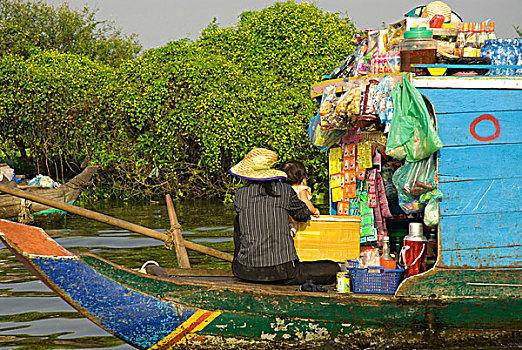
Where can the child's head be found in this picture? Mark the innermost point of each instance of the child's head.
(295, 171)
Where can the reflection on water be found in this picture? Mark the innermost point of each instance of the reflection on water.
(32, 317)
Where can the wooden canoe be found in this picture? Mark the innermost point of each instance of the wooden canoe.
(10, 206)
(199, 308)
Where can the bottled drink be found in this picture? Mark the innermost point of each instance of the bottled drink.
(482, 34)
(491, 30)
(431, 248)
(461, 40)
(471, 45)
(386, 259)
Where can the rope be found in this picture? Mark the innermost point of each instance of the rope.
(169, 242)
(25, 216)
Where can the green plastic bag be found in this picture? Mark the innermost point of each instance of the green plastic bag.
(412, 133)
(431, 212)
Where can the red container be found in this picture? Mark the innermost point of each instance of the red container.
(413, 251)
(437, 21)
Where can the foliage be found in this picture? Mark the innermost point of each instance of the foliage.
(202, 105)
(518, 30)
(52, 108)
(26, 25)
(177, 118)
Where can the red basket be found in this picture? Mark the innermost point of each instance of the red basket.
(382, 282)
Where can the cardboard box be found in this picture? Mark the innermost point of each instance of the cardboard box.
(334, 238)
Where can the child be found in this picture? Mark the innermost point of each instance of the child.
(296, 176)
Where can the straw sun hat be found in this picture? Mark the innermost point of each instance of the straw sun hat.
(437, 8)
(257, 166)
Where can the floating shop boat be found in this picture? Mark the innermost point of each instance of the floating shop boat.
(473, 294)
(11, 207)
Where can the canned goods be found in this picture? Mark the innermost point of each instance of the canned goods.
(343, 282)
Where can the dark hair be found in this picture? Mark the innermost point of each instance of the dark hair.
(267, 187)
(295, 171)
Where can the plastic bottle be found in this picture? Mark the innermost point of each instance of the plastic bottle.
(512, 56)
(461, 39)
(471, 45)
(387, 260)
(482, 34)
(491, 30)
(518, 42)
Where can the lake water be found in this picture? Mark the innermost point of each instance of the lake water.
(32, 317)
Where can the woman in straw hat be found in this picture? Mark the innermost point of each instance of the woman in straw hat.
(264, 248)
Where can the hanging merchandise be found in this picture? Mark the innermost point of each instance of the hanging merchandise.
(352, 65)
(412, 133)
(323, 137)
(368, 233)
(383, 102)
(364, 155)
(335, 170)
(412, 180)
(431, 212)
(347, 110)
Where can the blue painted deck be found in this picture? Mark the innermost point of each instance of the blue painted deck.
(115, 307)
(480, 174)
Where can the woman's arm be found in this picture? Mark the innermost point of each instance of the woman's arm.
(297, 209)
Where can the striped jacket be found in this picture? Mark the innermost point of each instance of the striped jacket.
(265, 238)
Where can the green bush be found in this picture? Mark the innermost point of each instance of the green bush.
(190, 109)
(198, 107)
(26, 25)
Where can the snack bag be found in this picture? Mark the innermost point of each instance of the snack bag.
(319, 137)
(364, 155)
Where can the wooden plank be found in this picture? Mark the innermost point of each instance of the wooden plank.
(479, 162)
(483, 230)
(481, 197)
(474, 100)
(478, 82)
(454, 128)
(459, 282)
(483, 258)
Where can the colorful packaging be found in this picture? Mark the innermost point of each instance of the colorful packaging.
(343, 282)
(364, 155)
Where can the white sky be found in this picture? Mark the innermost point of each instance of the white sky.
(159, 21)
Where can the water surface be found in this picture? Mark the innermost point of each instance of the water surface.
(33, 317)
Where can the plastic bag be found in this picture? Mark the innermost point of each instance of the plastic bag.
(412, 133)
(411, 181)
(383, 102)
(327, 107)
(416, 178)
(43, 181)
(431, 212)
(321, 136)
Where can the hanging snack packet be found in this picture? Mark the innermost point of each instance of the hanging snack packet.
(384, 102)
(319, 137)
(364, 155)
(327, 107)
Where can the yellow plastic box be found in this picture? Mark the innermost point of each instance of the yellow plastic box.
(334, 238)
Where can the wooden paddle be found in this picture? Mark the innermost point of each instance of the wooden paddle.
(112, 221)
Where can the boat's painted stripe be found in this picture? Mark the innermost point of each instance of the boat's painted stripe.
(53, 211)
(187, 330)
(137, 318)
(32, 241)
